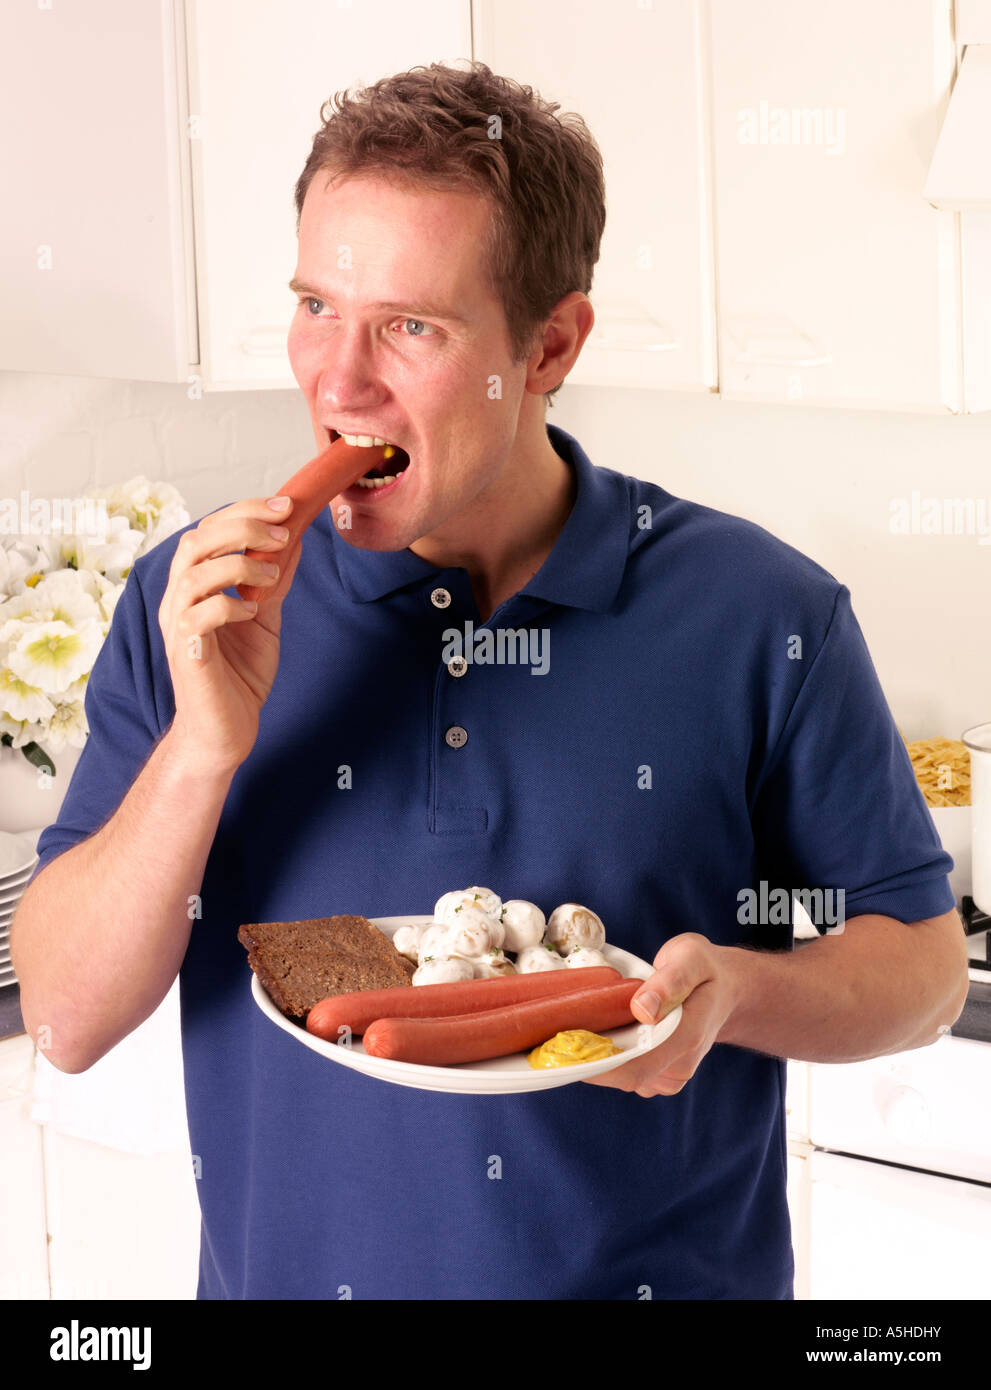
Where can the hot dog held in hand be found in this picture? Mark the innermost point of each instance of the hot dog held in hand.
(223, 652)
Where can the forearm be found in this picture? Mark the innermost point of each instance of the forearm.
(879, 986)
(100, 935)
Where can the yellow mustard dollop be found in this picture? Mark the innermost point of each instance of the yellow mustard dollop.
(572, 1046)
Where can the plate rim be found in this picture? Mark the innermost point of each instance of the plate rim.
(20, 882)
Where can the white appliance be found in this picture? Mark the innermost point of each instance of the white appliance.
(900, 1175)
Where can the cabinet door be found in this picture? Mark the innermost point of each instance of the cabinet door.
(256, 89)
(93, 251)
(797, 1101)
(23, 1233)
(633, 73)
(123, 1225)
(798, 1210)
(837, 281)
(879, 1232)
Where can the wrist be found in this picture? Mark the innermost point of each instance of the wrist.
(188, 760)
(744, 974)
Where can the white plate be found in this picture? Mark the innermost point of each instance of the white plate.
(9, 898)
(17, 852)
(497, 1075)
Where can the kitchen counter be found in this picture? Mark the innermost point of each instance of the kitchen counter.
(10, 1011)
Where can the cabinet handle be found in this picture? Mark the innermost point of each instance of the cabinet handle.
(773, 341)
(624, 325)
(265, 342)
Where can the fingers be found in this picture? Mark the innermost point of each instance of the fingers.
(224, 572)
(213, 612)
(685, 973)
(208, 559)
(668, 1068)
(665, 1070)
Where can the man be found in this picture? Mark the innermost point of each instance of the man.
(708, 721)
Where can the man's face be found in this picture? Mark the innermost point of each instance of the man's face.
(396, 334)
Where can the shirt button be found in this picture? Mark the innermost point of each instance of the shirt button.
(440, 598)
(456, 737)
(457, 666)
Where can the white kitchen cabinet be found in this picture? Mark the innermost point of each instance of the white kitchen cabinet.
(837, 282)
(798, 1210)
(149, 222)
(23, 1229)
(122, 1225)
(634, 73)
(94, 275)
(80, 1220)
(258, 76)
(880, 1232)
(797, 1100)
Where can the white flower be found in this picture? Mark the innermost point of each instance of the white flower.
(108, 595)
(25, 559)
(173, 517)
(67, 725)
(58, 593)
(66, 596)
(112, 556)
(13, 727)
(17, 608)
(51, 655)
(155, 509)
(14, 570)
(20, 700)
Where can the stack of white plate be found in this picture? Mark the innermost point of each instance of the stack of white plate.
(17, 860)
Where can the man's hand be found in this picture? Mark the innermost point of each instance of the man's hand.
(877, 987)
(688, 970)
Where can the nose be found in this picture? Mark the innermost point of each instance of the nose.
(348, 382)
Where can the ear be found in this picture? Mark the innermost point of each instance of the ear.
(564, 335)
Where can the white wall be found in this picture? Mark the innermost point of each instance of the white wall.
(821, 479)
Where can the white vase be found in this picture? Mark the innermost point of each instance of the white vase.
(29, 798)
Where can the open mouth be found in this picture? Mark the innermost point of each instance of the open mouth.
(387, 461)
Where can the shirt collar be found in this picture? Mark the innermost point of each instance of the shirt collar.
(583, 570)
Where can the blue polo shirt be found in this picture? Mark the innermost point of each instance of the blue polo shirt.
(708, 720)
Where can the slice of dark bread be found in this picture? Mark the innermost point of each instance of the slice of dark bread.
(300, 963)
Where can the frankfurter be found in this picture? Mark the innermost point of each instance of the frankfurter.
(312, 488)
(358, 1009)
(499, 1032)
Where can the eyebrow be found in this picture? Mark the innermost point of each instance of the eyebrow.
(429, 311)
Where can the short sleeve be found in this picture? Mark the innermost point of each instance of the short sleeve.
(125, 723)
(838, 805)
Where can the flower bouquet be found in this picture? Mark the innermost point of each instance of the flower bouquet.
(59, 584)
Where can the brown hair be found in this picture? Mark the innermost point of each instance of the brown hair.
(436, 127)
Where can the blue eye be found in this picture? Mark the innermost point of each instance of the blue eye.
(424, 326)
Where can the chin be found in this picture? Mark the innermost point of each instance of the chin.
(366, 533)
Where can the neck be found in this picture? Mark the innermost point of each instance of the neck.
(512, 530)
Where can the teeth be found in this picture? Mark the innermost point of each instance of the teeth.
(363, 441)
(377, 482)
